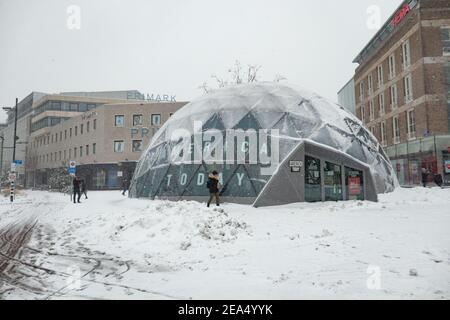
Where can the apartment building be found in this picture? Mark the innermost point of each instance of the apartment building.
(402, 88)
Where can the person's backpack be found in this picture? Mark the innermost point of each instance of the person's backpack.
(209, 184)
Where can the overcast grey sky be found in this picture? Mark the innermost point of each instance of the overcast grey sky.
(172, 46)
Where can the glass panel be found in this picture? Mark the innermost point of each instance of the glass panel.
(332, 182)
(313, 190)
(354, 184)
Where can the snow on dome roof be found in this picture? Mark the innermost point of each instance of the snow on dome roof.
(298, 114)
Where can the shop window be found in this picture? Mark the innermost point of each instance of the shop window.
(313, 189)
(332, 182)
(354, 184)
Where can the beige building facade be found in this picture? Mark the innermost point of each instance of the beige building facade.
(105, 141)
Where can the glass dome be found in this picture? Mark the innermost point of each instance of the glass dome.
(294, 114)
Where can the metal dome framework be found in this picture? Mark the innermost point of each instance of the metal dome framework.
(297, 116)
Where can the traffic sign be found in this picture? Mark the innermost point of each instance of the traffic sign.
(18, 161)
(13, 167)
(72, 170)
(72, 164)
(12, 177)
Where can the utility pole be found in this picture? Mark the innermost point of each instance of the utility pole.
(1, 155)
(14, 152)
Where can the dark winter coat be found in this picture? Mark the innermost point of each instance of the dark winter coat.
(438, 179)
(76, 184)
(213, 184)
(83, 186)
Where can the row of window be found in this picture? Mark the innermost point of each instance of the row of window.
(380, 100)
(64, 106)
(380, 131)
(55, 137)
(82, 151)
(119, 146)
(69, 154)
(138, 120)
(392, 72)
(47, 122)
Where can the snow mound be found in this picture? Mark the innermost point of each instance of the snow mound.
(166, 225)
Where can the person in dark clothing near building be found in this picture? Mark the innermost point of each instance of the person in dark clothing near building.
(125, 185)
(76, 189)
(84, 188)
(438, 180)
(425, 174)
(213, 186)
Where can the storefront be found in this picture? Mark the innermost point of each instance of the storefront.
(431, 153)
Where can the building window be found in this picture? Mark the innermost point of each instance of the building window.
(381, 103)
(65, 155)
(75, 152)
(380, 75)
(371, 110)
(445, 37)
(118, 146)
(408, 88)
(137, 146)
(396, 130)
(60, 136)
(411, 125)
(65, 134)
(70, 153)
(87, 150)
(87, 126)
(406, 54)
(94, 148)
(119, 120)
(363, 113)
(76, 130)
(383, 134)
(369, 84)
(156, 119)
(393, 97)
(73, 106)
(391, 66)
(70, 133)
(81, 128)
(60, 157)
(95, 124)
(137, 120)
(81, 151)
(361, 91)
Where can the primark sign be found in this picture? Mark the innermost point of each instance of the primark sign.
(158, 97)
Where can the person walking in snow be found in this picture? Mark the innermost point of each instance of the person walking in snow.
(213, 186)
(84, 188)
(76, 189)
(125, 185)
(425, 174)
(438, 180)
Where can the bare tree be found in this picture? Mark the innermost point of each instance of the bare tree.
(237, 73)
(31, 164)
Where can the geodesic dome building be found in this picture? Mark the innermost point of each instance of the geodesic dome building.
(272, 143)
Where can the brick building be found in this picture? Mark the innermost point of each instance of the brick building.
(402, 88)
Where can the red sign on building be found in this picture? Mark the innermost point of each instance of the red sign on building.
(354, 186)
(400, 15)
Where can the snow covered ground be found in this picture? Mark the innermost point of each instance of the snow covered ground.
(113, 247)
